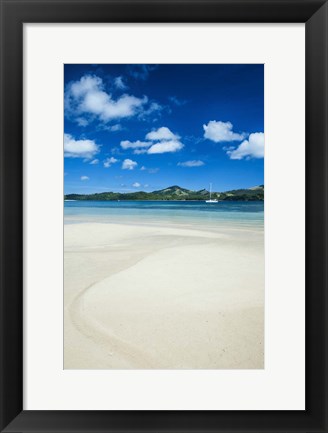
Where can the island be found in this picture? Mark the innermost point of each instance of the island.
(175, 192)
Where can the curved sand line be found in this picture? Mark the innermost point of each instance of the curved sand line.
(180, 304)
(92, 329)
(95, 331)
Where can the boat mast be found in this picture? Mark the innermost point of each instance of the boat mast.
(210, 191)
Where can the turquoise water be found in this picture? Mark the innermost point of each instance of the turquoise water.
(169, 212)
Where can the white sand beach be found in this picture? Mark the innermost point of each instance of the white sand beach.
(175, 297)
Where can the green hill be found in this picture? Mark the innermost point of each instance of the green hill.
(175, 192)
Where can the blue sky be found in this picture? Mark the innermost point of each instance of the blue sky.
(147, 127)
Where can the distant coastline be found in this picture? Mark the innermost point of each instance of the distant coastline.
(173, 193)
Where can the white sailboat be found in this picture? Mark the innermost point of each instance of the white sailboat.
(210, 200)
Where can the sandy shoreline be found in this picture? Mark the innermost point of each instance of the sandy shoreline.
(163, 297)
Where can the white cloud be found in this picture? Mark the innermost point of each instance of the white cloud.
(116, 151)
(94, 162)
(128, 164)
(161, 140)
(143, 168)
(165, 146)
(177, 101)
(126, 144)
(154, 107)
(160, 134)
(116, 127)
(81, 121)
(136, 185)
(112, 128)
(167, 141)
(251, 148)
(109, 161)
(221, 132)
(228, 147)
(107, 109)
(87, 97)
(119, 83)
(85, 178)
(79, 148)
(194, 163)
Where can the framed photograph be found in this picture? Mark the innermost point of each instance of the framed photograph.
(152, 233)
(163, 231)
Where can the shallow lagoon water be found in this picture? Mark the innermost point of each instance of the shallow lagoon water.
(166, 212)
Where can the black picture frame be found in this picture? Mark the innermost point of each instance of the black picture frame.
(314, 13)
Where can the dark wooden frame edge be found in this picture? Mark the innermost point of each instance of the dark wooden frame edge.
(314, 13)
